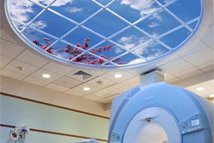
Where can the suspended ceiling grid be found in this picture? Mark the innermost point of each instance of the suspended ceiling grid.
(17, 62)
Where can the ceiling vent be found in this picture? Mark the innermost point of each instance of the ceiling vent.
(84, 75)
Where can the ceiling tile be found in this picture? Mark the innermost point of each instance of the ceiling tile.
(66, 81)
(188, 73)
(4, 61)
(169, 77)
(32, 58)
(110, 76)
(115, 90)
(131, 82)
(208, 38)
(56, 87)
(101, 93)
(194, 47)
(207, 67)
(58, 67)
(9, 36)
(81, 76)
(10, 49)
(208, 88)
(12, 74)
(176, 66)
(100, 82)
(92, 97)
(21, 67)
(35, 81)
(201, 57)
(78, 90)
(38, 75)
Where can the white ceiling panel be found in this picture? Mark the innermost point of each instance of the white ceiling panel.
(201, 57)
(177, 66)
(131, 82)
(66, 81)
(115, 90)
(38, 75)
(169, 77)
(209, 37)
(4, 61)
(32, 58)
(10, 49)
(101, 93)
(208, 88)
(12, 74)
(56, 87)
(35, 81)
(58, 67)
(8, 36)
(188, 73)
(207, 67)
(93, 97)
(100, 82)
(195, 47)
(110, 76)
(78, 90)
(21, 67)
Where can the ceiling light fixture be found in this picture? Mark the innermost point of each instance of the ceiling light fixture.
(200, 88)
(118, 75)
(86, 88)
(211, 95)
(46, 75)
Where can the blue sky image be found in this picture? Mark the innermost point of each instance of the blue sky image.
(106, 32)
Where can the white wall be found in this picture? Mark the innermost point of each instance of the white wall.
(30, 91)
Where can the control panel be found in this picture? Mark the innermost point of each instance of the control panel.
(192, 124)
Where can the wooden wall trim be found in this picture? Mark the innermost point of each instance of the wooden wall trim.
(52, 105)
(53, 133)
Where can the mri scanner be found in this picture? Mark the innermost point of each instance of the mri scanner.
(161, 113)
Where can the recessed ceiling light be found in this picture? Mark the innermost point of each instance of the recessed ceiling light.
(211, 95)
(200, 88)
(86, 88)
(118, 75)
(46, 75)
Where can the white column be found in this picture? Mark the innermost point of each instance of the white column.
(151, 77)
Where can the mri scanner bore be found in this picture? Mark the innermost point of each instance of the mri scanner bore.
(161, 113)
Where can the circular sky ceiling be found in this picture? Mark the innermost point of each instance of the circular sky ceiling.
(104, 33)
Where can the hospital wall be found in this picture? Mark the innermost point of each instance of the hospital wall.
(50, 123)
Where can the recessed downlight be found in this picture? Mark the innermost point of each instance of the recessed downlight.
(200, 88)
(86, 88)
(46, 75)
(211, 95)
(118, 75)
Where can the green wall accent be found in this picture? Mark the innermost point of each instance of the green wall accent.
(19, 112)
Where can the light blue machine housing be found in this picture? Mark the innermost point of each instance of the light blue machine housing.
(185, 117)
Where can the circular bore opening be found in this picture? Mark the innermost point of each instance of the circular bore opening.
(152, 133)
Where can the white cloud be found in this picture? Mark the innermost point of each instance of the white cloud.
(154, 24)
(19, 9)
(74, 9)
(137, 61)
(144, 6)
(39, 24)
(130, 42)
(142, 45)
(57, 3)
